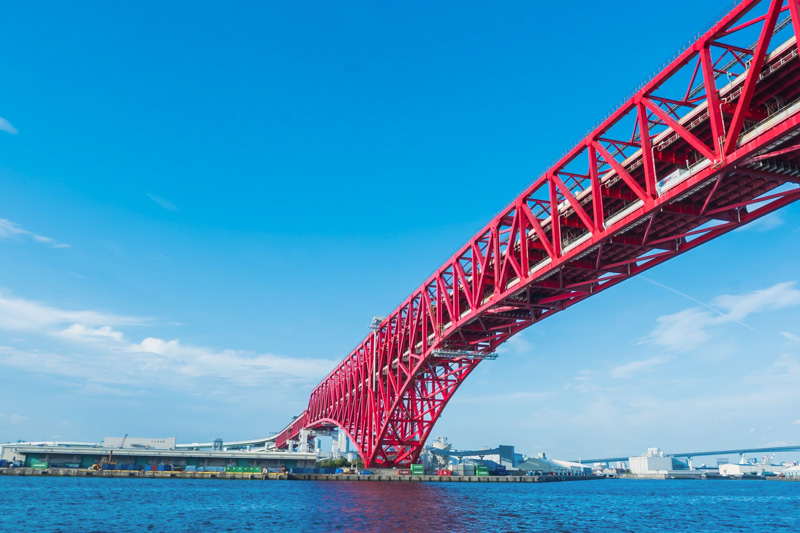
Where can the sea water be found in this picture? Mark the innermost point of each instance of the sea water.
(120, 505)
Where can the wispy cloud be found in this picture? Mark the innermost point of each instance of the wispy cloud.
(163, 202)
(628, 370)
(11, 230)
(583, 382)
(765, 223)
(791, 336)
(7, 127)
(12, 419)
(516, 345)
(687, 329)
(19, 314)
(88, 347)
(507, 397)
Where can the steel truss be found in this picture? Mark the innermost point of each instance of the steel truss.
(708, 144)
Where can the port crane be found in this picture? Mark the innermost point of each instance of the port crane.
(107, 460)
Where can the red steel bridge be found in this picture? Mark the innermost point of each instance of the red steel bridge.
(708, 144)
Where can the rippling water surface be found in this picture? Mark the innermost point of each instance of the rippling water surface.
(120, 505)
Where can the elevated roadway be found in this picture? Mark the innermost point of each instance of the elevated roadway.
(740, 451)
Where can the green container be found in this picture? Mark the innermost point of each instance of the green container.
(417, 470)
(40, 466)
(481, 470)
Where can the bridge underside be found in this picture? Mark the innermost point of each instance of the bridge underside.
(709, 144)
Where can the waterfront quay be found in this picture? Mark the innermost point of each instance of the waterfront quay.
(440, 479)
(75, 472)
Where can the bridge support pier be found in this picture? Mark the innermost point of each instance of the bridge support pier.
(303, 448)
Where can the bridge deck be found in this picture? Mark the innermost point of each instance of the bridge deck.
(707, 145)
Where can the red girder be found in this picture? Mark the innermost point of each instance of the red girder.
(556, 245)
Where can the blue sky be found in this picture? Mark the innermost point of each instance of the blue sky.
(204, 204)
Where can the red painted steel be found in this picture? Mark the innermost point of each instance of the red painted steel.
(708, 144)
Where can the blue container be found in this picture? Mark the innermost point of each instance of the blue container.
(160, 468)
(190, 468)
(3, 463)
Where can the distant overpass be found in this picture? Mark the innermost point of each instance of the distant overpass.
(468, 453)
(741, 451)
(229, 445)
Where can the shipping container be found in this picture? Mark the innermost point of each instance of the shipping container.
(417, 470)
(463, 470)
(443, 472)
(481, 470)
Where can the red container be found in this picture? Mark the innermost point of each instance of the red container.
(444, 472)
(404, 472)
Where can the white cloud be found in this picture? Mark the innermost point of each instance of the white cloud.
(776, 297)
(234, 365)
(83, 332)
(796, 422)
(628, 370)
(18, 314)
(7, 127)
(683, 330)
(104, 357)
(11, 230)
(163, 202)
(687, 329)
(791, 336)
(95, 389)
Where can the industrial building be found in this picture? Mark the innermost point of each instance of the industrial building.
(502, 458)
(542, 465)
(654, 462)
(145, 453)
